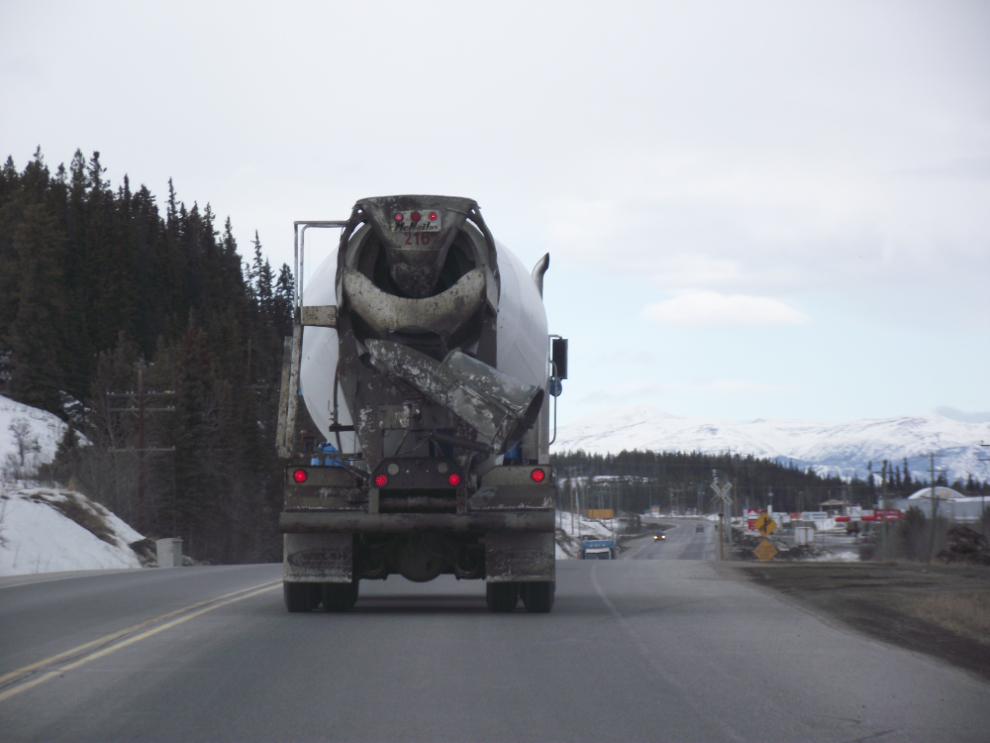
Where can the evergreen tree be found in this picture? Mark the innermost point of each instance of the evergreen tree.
(283, 301)
(93, 282)
(262, 278)
(37, 358)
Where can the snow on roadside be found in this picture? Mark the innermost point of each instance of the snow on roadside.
(45, 530)
(846, 556)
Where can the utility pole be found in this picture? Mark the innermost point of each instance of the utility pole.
(931, 473)
(983, 505)
(142, 448)
(721, 485)
(883, 509)
(571, 486)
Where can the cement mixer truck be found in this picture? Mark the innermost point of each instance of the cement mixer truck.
(414, 416)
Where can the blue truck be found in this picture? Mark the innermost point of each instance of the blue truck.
(598, 549)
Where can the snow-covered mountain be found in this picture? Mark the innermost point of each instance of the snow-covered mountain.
(839, 448)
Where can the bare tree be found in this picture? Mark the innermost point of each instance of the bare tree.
(23, 463)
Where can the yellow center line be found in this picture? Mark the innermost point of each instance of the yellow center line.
(209, 605)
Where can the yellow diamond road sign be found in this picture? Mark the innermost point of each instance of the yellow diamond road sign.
(765, 524)
(765, 551)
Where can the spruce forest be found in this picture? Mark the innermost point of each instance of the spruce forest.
(680, 481)
(161, 347)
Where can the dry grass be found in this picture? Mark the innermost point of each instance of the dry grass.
(73, 507)
(965, 613)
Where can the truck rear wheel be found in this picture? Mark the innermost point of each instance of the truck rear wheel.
(340, 597)
(301, 596)
(538, 597)
(502, 597)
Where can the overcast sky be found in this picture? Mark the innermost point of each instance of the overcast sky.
(764, 209)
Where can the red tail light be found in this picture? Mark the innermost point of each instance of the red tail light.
(538, 475)
(454, 479)
(381, 480)
(300, 476)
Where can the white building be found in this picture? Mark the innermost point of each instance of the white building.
(952, 505)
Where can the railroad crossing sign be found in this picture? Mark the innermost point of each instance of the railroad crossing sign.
(765, 524)
(765, 551)
(722, 491)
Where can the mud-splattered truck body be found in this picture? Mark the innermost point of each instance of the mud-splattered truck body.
(414, 413)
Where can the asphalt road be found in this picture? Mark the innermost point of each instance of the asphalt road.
(683, 542)
(635, 650)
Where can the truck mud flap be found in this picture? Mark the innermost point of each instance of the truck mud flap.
(318, 558)
(519, 557)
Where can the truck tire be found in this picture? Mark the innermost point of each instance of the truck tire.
(301, 596)
(502, 597)
(538, 597)
(339, 597)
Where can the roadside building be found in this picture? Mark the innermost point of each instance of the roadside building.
(952, 505)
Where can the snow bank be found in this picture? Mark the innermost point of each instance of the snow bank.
(45, 530)
(846, 556)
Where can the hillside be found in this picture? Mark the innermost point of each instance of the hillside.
(28, 437)
(48, 529)
(44, 530)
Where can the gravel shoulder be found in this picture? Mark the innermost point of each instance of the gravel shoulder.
(940, 610)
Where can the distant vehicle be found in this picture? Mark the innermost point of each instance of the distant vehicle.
(659, 536)
(699, 527)
(598, 549)
(598, 554)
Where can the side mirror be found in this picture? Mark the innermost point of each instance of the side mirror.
(558, 354)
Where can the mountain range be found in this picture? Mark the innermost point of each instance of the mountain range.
(845, 449)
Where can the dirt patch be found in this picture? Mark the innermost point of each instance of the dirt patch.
(966, 614)
(940, 610)
(72, 507)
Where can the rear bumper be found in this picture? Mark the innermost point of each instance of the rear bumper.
(316, 522)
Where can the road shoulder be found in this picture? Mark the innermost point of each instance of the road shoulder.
(931, 609)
